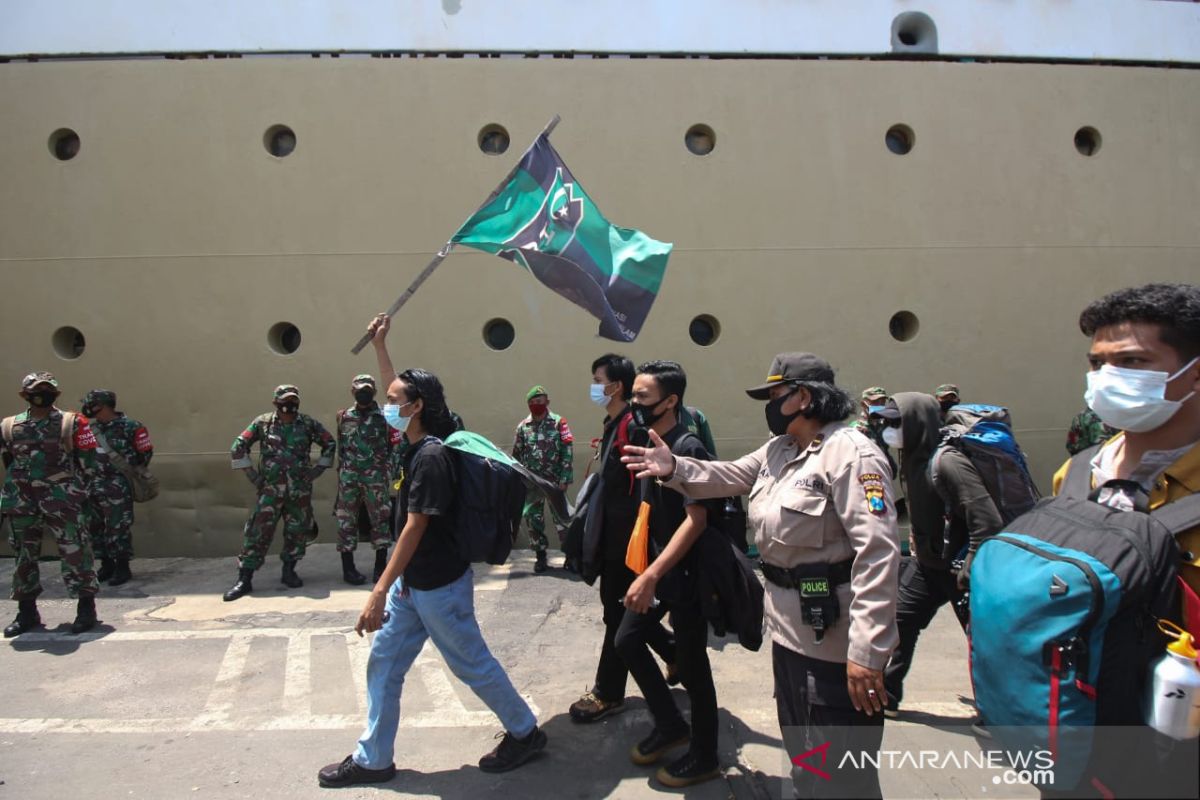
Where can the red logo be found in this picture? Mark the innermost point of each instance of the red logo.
(565, 431)
(84, 438)
(801, 761)
(141, 440)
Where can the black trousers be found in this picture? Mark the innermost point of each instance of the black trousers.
(923, 590)
(611, 672)
(691, 659)
(821, 728)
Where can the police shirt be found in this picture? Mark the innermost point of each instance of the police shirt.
(430, 487)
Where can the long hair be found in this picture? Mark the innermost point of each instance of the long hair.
(423, 385)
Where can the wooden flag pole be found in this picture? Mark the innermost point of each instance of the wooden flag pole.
(449, 245)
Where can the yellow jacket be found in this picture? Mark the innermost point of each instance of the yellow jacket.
(1179, 480)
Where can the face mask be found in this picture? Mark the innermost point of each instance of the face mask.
(538, 409)
(893, 437)
(1132, 399)
(777, 421)
(947, 405)
(364, 396)
(288, 408)
(644, 416)
(42, 399)
(597, 394)
(391, 413)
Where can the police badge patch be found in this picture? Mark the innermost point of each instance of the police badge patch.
(872, 483)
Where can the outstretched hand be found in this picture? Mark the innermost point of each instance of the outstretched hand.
(649, 462)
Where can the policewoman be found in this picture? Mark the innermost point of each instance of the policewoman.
(823, 516)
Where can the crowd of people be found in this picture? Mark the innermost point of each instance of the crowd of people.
(843, 608)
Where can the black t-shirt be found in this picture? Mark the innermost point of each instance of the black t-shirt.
(667, 506)
(620, 495)
(430, 485)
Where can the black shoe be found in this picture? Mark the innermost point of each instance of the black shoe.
(121, 574)
(289, 577)
(539, 565)
(349, 773)
(656, 745)
(350, 573)
(85, 614)
(571, 565)
(106, 570)
(687, 771)
(27, 619)
(381, 559)
(513, 752)
(242, 586)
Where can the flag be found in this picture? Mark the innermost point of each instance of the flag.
(542, 220)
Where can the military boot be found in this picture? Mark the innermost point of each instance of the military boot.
(106, 569)
(85, 614)
(243, 585)
(121, 574)
(381, 559)
(289, 577)
(350, 573)
(27, 618)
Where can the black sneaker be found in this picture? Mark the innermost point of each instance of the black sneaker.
(513, 752)
(656, 745)
(687, 771)
(539, 565)
(349, 773)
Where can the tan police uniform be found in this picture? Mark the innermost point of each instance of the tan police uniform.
(830, 502)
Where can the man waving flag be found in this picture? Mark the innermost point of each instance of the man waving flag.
(542, 220)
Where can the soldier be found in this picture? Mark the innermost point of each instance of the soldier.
(364, 443)
(1086, 430)
(284, 482)
(48, 455)
(543, 444)
(869, 427)
(947, 397)
(109, 492)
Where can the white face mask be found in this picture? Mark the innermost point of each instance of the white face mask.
(893, 437)
(597, 394)
(1133, 399)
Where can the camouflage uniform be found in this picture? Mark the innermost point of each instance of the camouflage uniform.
(285, 482)
(544, 447)
(875, 396)
(364, 444)
(109, 492)
(1086, 430)
(44, 493)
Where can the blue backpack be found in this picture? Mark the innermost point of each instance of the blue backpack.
(984, 435)
(1063, 607)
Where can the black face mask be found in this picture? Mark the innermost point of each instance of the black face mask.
(644, 416)
(364, 396)
(288, 408)
(42, 399)
(947, 405)
(777, 421)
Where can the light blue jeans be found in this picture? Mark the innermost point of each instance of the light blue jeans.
(447, 616)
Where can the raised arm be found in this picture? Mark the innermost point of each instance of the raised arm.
(378, 329)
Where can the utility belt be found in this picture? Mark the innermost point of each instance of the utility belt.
(817, 584)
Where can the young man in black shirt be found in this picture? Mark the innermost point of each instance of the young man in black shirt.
(426, 592)
(667, 584)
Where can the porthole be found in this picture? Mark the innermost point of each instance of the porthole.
(700, 140)
(903, 326)
(68, 343)
(899, 139)
(498, 334)
(64, 144)
(280, 141)
(914, 32)
(704, 330)
(493, 139)
(1087, 141)
(283, 338)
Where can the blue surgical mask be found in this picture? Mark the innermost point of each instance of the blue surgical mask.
(597, 394)
(1132, 399)
(391, 413)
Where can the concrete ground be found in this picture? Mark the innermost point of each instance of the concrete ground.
(180, 695)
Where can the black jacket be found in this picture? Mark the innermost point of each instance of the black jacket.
(731, 597)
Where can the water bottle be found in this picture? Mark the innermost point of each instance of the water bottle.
(1173, 698)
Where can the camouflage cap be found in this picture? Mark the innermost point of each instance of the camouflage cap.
(286, 390)
(945, 389)
(874, 393)
(101, 397)
(362, 380)
(34, 378)
(534, 391)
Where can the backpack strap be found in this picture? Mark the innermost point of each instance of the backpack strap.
(67, 434)
(1180, 515)
(6, 429)
(1078, 480)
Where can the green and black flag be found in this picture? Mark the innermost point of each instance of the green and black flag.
(544, 221)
